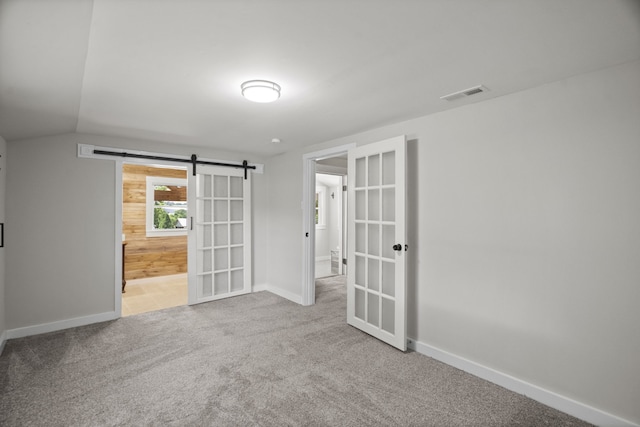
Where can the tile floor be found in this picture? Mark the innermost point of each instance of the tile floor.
(154, 293)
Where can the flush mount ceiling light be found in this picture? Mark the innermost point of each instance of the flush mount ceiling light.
(260, 90)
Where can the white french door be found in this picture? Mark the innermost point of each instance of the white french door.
(376, 295)
(219, 238)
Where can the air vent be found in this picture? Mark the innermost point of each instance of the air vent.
(464, 93)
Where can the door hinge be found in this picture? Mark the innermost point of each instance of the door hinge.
(344, 261)
(344, 188)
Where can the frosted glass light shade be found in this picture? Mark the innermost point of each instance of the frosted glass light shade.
(260, 90)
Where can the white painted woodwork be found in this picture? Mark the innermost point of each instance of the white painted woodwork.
(376, 281)
(219, 236)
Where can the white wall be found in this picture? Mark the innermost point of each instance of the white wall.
(524, 232)
(61, 216)
(334, 215)
(3, 177)
(323, 232)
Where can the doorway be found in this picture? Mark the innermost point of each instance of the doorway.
(331, 161)
(154, 237)
(329, 221)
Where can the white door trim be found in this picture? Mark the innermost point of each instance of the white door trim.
(308, 224)
(118, 240)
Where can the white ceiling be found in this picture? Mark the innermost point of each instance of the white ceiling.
(171, 70)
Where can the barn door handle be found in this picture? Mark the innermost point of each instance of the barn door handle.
(397, 247)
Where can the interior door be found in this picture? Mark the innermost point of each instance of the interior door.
(376, 296)
(219, 238)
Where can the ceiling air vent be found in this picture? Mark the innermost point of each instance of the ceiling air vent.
(464, 93)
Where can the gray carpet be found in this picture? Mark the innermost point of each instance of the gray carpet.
(251, 360)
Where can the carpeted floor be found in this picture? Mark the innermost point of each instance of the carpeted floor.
(257, 359)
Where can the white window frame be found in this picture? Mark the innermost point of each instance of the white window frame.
(152, 181)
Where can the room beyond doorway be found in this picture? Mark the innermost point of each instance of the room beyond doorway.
(154, 293)
(329, 225)
(154, 238)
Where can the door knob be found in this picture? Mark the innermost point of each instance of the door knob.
(397, 247)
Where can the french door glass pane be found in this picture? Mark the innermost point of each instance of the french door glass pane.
(388, 278)
(205, 283)
(388, 240)
(359, 303)
(361, 237)
(373, 309)
(360, 271)
(373, 245)
(203, 186)
(361, 172)
(236, 210)
(205, 261)
(373, 275)
(237, 280)
(388, 315)
(236, 234)
(361, 205)
(236, 186)
(220, 211)
(221, 259)
(220, 237)
(206, 236)
(374, 205)
(374, 170)
(237, 257)
(220, 186)
(388, 204)
(389, 168)
(221, 283)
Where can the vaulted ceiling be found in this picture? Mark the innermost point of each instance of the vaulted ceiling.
(170, 70)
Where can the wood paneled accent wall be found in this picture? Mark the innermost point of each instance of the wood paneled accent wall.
(148, 256)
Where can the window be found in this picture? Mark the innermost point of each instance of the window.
(166, 213)
(321, 207)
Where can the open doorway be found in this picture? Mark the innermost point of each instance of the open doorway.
(154, 238)
(330, 216)
(328, 219)
(333, 162)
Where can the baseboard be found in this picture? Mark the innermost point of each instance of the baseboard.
(280, 292)
(3, 340)
(60, 325)
(549, 398)
(259, 288)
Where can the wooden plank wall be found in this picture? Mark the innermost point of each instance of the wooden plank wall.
(148, 256)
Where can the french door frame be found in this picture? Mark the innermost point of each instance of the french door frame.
(308, 217)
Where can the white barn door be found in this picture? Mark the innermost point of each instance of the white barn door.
(219, 238)
(376, 296)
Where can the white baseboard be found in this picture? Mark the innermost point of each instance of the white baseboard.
(259, 288)
(549, 398)
(280, 292)
(3, 340)
(60, 325)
